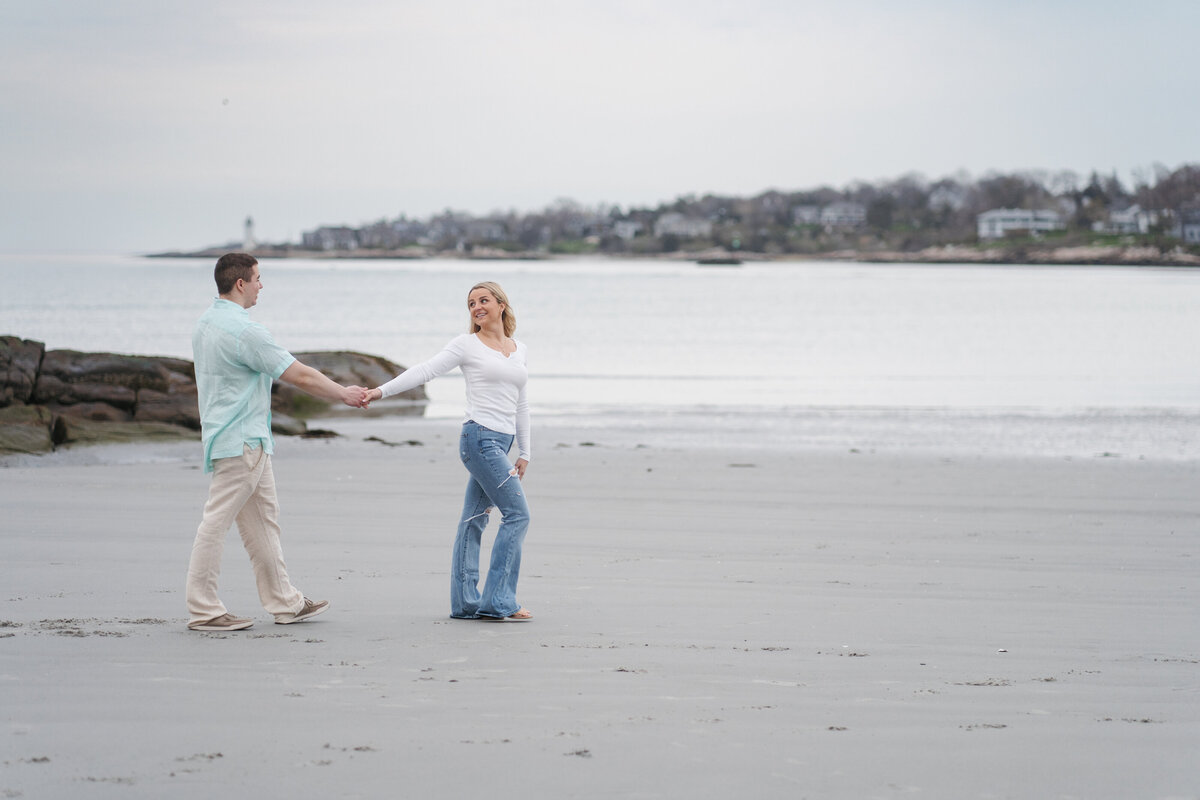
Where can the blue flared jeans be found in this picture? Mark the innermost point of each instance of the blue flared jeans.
(493, 484)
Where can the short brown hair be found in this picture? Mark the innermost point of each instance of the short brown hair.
(231, 268)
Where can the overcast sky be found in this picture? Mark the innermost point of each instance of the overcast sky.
(139, 125)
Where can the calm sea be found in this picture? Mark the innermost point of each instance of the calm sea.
(1009, 358)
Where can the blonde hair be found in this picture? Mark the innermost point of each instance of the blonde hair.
(508, 316)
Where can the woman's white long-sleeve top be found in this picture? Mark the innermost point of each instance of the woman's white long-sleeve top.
(495, 384)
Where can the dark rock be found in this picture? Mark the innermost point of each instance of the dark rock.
(345, 367)
(408, 442)
(356, 369)
(51, 389)
(19, 363)
(72, 430)
(178, 406)
(68, 377)
(286, 425)
(25, 429)
(287, 399)
(179, 370)
(66, 396)
(96, 412)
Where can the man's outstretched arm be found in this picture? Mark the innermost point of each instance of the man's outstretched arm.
(314, 382)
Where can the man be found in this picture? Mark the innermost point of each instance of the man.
(236, 360)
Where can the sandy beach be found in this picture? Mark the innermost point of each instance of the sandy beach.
(710, 623)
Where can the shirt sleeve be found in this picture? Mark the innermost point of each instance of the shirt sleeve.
(450, 357)
(523, 433)
(258, 351)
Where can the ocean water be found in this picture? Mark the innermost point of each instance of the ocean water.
(1011, 358)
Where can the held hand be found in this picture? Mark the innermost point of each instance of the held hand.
(374, 394)
(521, 465)
(354, 396)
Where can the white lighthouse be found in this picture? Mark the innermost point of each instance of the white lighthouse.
(248, 242)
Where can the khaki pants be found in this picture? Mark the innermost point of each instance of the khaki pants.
(242, 489)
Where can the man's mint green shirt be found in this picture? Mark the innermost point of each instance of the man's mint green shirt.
(236, 360)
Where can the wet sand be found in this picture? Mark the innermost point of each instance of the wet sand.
(710, 623)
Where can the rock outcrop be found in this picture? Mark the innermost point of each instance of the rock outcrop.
(343, 366)
(19, 364)
(25, 429)
(50, 398)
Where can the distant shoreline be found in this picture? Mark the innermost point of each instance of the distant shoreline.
(948, 254)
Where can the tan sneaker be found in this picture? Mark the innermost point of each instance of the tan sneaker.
(225, 622)
(309, 611)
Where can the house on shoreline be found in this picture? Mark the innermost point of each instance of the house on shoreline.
(676, 224)
(906, 216)
(1127, 220)
(1187, 227)
(1000, 222)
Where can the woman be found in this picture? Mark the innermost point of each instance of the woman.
(493, 364)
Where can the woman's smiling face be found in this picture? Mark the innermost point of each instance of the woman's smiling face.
(483, 307)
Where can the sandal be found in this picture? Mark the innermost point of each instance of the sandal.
(520, 615)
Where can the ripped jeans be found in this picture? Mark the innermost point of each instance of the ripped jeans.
(493, 484)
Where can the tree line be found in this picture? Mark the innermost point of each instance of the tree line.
(905, 214)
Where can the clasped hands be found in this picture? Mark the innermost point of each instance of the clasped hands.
(359, 397)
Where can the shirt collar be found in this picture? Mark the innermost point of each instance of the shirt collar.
(221, 302)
